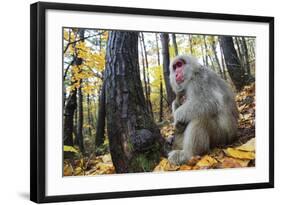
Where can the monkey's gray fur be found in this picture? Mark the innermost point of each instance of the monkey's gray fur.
(209, 111)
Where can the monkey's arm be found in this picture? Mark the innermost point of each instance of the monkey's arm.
(192, 109)
(175, 105)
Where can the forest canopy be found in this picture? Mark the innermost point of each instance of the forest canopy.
(117, 95)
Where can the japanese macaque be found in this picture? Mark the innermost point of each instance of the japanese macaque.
(205, 113)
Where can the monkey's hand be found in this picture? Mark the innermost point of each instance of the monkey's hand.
(177, 157)
(181, 116)
(180, 127)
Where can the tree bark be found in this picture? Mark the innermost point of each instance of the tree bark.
(233, 64)
(166, 64)
(133, 136)
(101, 118)
(174, 39)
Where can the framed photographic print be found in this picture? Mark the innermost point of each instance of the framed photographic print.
(129, 102)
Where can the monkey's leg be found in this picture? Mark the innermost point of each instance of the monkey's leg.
(197, 138)
(196, 142)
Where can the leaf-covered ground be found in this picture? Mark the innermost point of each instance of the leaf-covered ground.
(240, 154)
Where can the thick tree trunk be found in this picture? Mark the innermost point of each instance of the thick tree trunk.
(166, 64)
(174, 39)
(101, 118)
(133, 136)
(233, 64)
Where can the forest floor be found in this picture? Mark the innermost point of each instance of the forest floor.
(237, 155)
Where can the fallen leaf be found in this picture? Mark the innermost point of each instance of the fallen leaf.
(248, 146)
(193, 161)
(185, 167)
(67, 170)
(232, 152)
(206, 162)
(78, 171)
(67, 148)
(106, 158)
(165, 165)
(229, 162)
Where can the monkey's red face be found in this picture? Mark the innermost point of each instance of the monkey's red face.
(178, 67)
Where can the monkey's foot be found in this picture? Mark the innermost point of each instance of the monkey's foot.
(177, 157)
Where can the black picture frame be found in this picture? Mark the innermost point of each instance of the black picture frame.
(38, 101)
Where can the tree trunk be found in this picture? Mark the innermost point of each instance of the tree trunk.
(190, 44)
(90, 122)
(206, 51)
(239, 53)
(161, 83)
(80, 121)
(214, 48)
(203, 55)
(148, 101)
(233, 64)
(174, 39)
(166, 64)
(101, 118)
(133, 136)
(222, 62)
(71, 105)
(246, 56)
(69, 109)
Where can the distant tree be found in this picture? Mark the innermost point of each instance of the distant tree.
(174, 39)
(101, 118)
(214, 48)
(190, 44)
(233, 64)
(246, 56)
(80, 138)
(166, 64)
(146, 75)
(161, 83)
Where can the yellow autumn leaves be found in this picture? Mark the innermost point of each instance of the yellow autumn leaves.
(100, 165)
(241, 156)
(92, 62)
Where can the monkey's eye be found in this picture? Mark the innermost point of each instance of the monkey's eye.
(179, 64)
